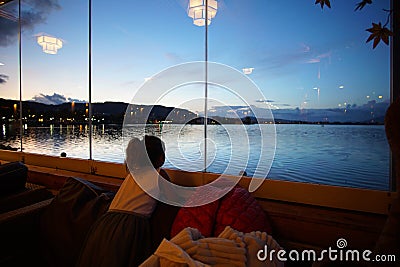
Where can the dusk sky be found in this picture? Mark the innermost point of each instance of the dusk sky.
(301, 56)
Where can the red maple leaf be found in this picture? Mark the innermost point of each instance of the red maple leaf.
(362, 4)
(379, 33)
(323, 2)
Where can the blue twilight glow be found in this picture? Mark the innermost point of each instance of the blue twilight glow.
(299, 55)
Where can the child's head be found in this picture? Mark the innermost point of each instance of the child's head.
(144, 153)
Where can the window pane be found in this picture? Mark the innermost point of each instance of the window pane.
(328, 90)
(9, 77)
(54, 77)
(131, 45)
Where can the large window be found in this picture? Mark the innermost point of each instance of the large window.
(55, 78)
(9, 78)
(327, 88)
(131, 43)
(308, 67)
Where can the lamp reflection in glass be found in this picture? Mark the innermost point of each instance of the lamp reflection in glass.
(49, 44)
(248, 71)
(197, 11)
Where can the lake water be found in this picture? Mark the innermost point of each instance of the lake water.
(344, 155)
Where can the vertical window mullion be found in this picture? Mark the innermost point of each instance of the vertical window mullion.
(205, 85)
(90, 80)
(20, 71)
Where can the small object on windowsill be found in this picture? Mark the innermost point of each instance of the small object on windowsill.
(63, 155)
(242, 173)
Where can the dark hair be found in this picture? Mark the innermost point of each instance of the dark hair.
(155, 150)
(146, 152)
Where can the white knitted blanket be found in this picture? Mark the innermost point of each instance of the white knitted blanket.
(230, 248)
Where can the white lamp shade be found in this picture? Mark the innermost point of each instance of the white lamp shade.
(197, 11)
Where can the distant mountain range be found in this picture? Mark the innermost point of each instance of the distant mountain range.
(113, 112)
(371, 112)
(35, 113)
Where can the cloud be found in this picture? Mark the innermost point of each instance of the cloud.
(306, 48)
(173, 57)
(325, 55)
(304, 54)
(3, 78)
(54, 99)
(284, 105)
(318, 58)
(75, 100)
(313, 60)
(264, 101)
(279, 61)
(35, 12)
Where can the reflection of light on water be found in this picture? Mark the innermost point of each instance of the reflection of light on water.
(318, 92)
(4, 129)
(362, 153)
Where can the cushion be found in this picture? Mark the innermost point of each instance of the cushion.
(65, 222)
(13, 177)
(211, 219)
(24, 198)
(241, 211)
(202, 218)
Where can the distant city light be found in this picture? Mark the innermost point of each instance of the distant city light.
(50, 45)
(197, 11)
(248, 71)
(1, 64)
(368, 96)
(341, 87)
(380, 97)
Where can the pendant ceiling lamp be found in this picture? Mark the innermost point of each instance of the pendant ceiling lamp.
(49, 44)
(197, 11)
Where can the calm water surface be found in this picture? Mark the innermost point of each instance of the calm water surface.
(345, 155)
